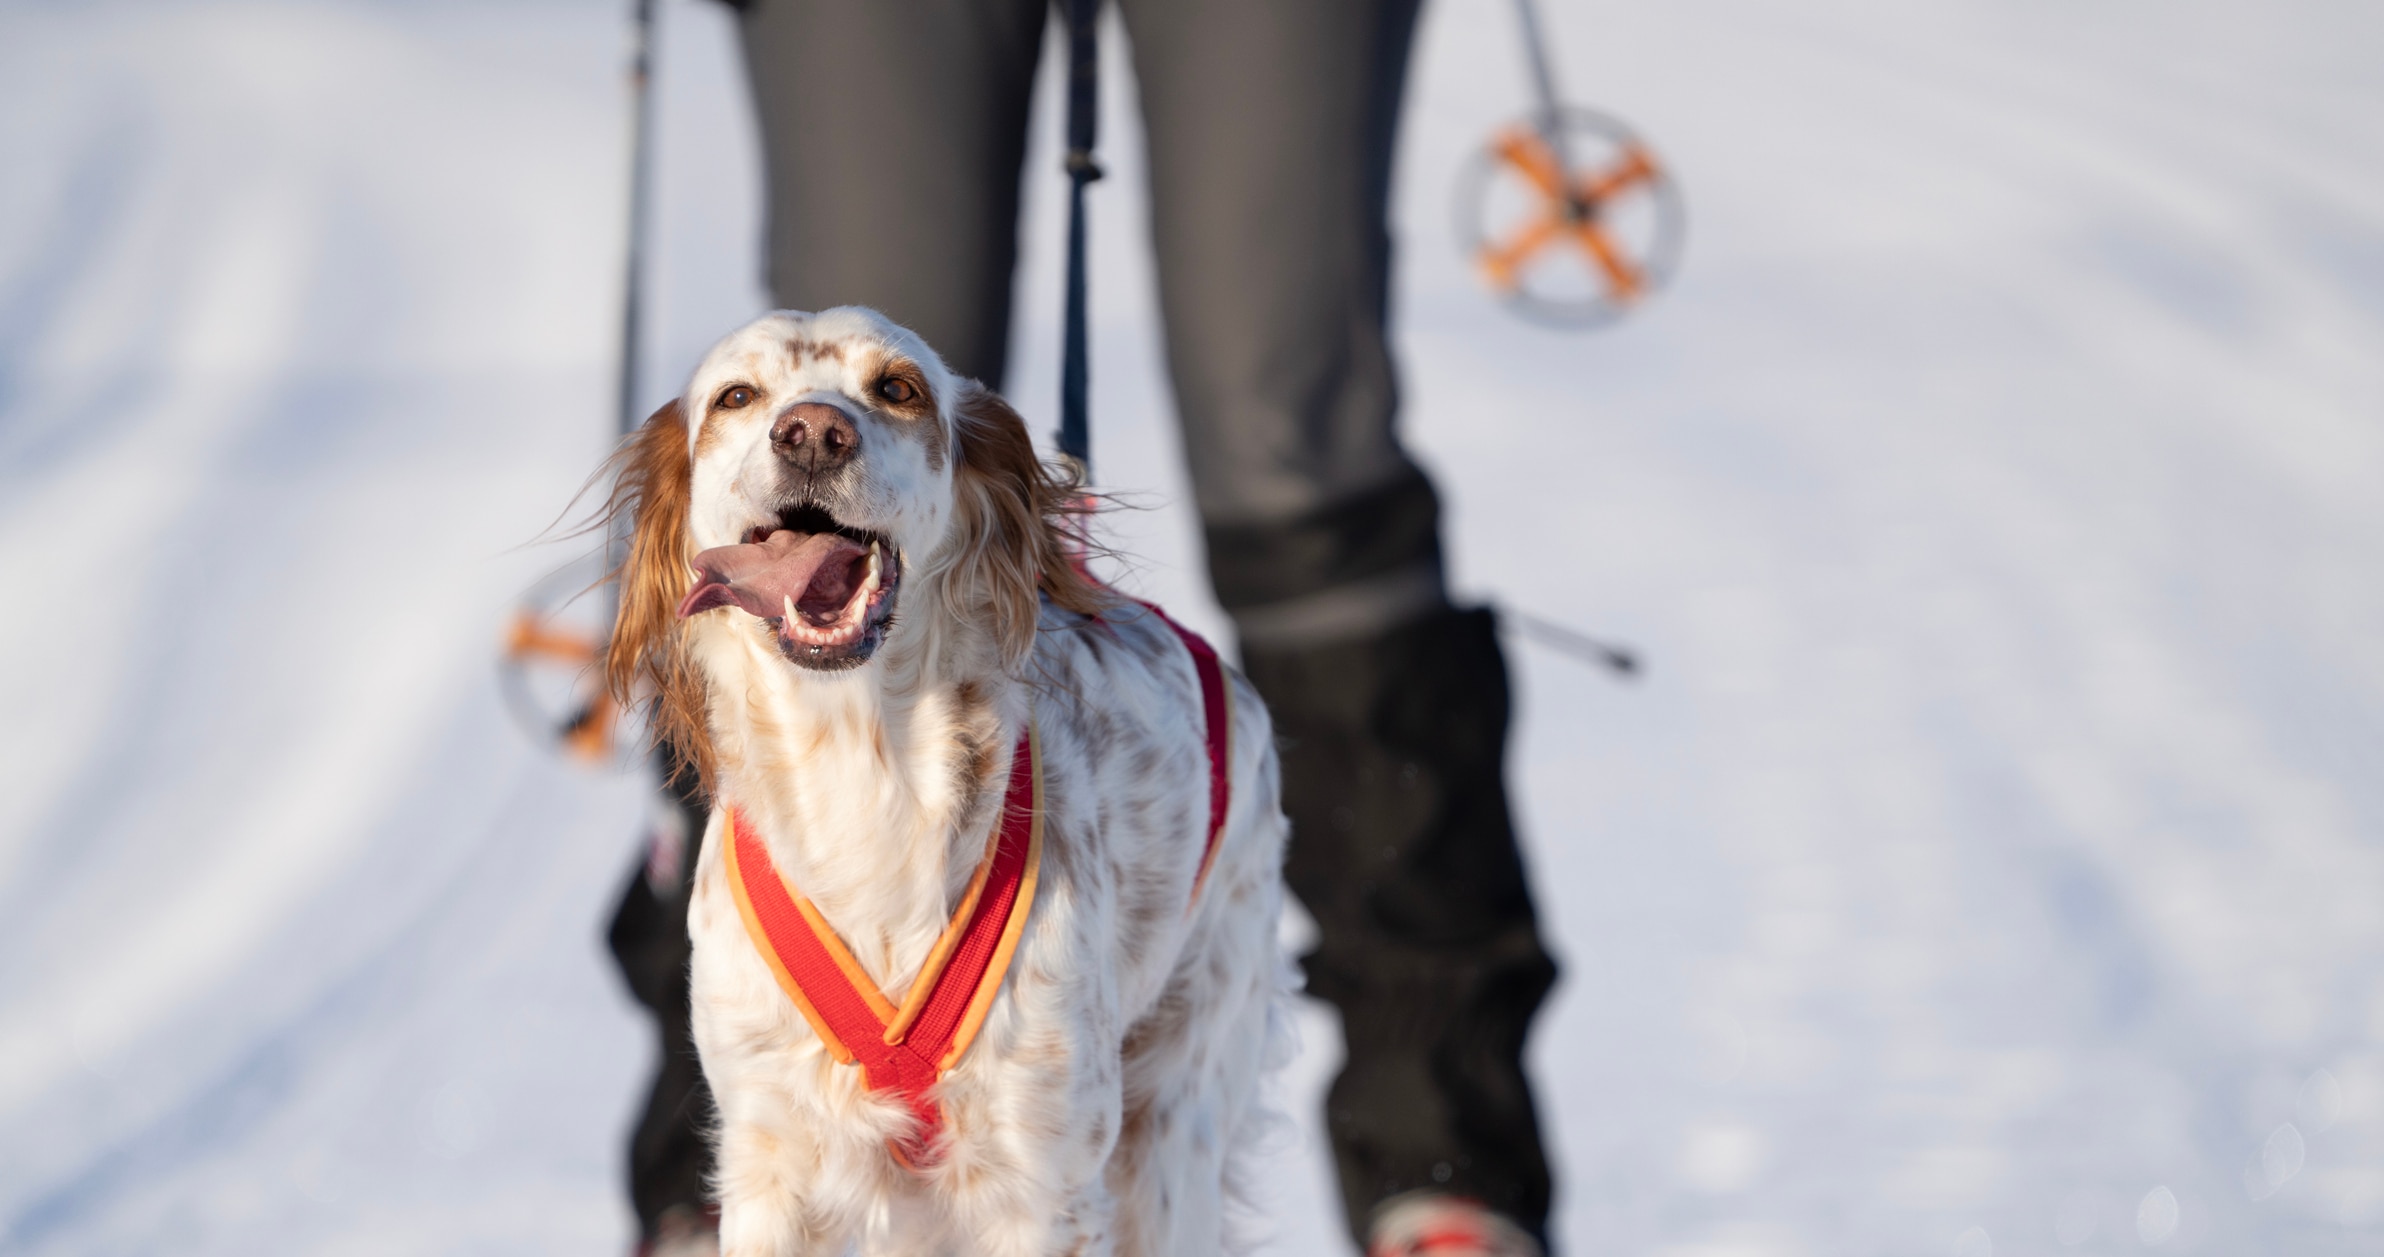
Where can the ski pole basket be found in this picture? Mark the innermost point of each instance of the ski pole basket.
(551, 669)
(1574, 233)
(1567, 214)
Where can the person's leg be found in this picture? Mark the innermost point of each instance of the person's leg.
(892, 132)
(670, 1154)
(1403, 850)
(1271, 129)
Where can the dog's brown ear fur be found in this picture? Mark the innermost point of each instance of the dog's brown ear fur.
(1016, 518)
(648, 655)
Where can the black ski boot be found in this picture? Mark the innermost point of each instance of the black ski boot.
(1402, 848)
(670, 1153)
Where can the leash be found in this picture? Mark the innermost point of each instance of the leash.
(1084, 121)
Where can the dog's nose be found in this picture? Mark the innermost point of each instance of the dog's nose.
(815, 437)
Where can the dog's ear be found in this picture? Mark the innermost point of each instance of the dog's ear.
(1016, 516)
(647, 654)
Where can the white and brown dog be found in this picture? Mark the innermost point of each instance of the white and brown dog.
(946, 764)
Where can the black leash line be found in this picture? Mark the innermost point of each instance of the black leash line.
(1084, 120)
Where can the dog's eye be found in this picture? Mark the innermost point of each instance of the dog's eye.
(896, 390)
(734, 397)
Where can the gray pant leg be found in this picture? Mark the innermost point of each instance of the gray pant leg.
(1271, 131)
(894, 131)
(1271, 128)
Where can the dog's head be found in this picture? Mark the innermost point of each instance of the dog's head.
(816, 466)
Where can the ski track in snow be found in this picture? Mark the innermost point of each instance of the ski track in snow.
(1988, 863)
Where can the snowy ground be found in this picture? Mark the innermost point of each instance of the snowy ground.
(1991, 863)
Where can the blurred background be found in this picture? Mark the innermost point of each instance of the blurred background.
(1991, 860)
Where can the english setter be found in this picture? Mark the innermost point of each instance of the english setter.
(937, 748)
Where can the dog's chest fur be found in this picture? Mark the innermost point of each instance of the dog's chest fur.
(878, 810)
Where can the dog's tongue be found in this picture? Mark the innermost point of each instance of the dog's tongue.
(818, 571)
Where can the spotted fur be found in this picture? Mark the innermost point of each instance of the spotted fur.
(1118, 1076)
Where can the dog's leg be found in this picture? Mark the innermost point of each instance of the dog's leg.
(1033, 1138)
(1163, 1183)
(764, 1209)
(1028, 1208)
(914, 1227)
(1081, 1228)
(1010, 1217)
(1087, 1229)
(1195, 1069)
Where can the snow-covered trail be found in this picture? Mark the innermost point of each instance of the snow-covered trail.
(1991, 862)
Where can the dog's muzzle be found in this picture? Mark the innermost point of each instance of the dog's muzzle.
(826, 591)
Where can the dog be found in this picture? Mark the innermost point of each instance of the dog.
(853, 597)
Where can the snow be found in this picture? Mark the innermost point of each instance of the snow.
(1989, 862)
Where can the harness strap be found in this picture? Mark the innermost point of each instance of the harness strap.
(907, 1049)
(1075, 433)
(1216, 710)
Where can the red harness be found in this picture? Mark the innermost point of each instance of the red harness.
(906, 1049)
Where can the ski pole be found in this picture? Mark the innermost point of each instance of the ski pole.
(1543, 82)
(591, 728)
(1619, 660)
(641, 93)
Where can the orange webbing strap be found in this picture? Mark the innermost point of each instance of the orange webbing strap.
(904, 1049)
(1216, 709)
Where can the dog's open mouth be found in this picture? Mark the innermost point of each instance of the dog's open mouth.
(825, 590)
